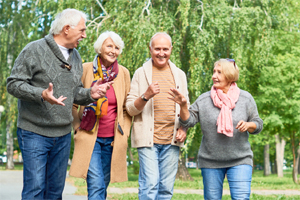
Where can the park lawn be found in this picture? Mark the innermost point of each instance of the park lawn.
(131, 196)
(271, 182)
(259, 181)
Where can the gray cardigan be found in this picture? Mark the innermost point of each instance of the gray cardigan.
(217, 150)
(39, 64)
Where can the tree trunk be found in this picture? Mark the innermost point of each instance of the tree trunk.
(298, 164)
(9, 138)
(296, 168)
(275, 166)
(182, 172)
(295, 164)
(9, 125)
(253, 162)
(280, 144)
(267, 169)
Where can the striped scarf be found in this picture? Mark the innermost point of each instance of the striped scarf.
(94, 111)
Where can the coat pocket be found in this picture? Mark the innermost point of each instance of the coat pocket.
(120, 129)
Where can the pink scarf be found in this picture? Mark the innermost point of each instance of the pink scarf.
(226, 102)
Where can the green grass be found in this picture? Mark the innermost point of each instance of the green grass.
(259, 181)
(17, 166)
(128, 196)
(273, 182)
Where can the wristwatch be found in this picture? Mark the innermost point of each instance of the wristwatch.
(143, 97)
(42, 99)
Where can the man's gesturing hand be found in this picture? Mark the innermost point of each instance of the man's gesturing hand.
(99, 90)
(47, 95)
(152, 90)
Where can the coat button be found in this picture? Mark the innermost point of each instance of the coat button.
(176, 129)
(178, 115)
(175, 142)
(177, 87)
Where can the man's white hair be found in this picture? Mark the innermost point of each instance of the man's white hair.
(163, 34)
(69, 17)
(108, 34)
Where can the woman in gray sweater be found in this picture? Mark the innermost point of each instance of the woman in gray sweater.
(227, 115)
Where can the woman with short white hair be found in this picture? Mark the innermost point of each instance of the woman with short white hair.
(102, 128)
(227, 115)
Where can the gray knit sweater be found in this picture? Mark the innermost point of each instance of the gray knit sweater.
(39, 64)
(217, 150)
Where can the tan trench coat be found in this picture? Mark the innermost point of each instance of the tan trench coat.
(85, 140)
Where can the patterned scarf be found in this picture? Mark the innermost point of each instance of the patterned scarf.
(226, 102)
(98, 109)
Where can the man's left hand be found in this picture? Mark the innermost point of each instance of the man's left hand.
(181, 134)
(99, 90)
(47, 95)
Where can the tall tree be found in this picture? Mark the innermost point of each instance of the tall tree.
(267, 166)
(257, 34)
(282, 80)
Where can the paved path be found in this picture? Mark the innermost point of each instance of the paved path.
(11, 184)
(11, 187)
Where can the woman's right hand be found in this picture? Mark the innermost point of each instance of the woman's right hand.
(177, 97)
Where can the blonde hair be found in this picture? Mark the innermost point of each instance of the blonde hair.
(229, 69)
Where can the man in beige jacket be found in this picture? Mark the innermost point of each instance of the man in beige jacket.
(156, 131)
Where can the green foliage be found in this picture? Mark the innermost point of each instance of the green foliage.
(262, 36)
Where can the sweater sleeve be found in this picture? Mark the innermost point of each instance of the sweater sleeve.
(133, 95)
(83, 96)
(254, 117)
(19, 82)
(194, 115)
(82, 93)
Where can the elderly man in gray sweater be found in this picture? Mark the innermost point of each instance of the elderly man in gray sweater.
(46, 78)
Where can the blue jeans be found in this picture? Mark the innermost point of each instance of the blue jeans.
(239, 179)
(158, 168)
(98, 176)
(45, 162)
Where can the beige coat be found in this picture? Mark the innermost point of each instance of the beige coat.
(85, 140)
(143, 124)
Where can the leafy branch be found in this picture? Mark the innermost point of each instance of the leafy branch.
(202, 17)
(94, 21)
(146, 8)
